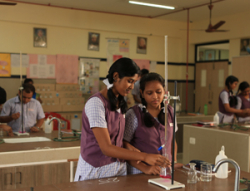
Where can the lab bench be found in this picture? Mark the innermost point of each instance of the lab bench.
(204, 143)
(36, 163)
(140, 183)
(187, 119)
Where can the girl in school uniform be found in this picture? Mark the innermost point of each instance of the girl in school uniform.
(228, 102)
(103, 124)
(145, 124)
(243, 101)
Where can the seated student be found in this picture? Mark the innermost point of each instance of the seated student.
(136, 91)
(103, 123)
(33, 115)
(145, 124)
(2, 101)
(30, 81)
(243, 101)
(228, 102)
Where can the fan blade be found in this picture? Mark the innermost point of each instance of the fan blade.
(218, 25)
(193, 29)
(4, 3)
(221, 31)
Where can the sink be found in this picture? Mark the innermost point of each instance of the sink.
(26, 140)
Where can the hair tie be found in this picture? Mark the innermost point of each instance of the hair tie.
(106, 82)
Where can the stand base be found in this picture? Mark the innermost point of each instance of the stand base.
(20, 133)
(166, 183)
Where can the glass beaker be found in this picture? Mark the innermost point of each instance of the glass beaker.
(192, 174)
(166, 171)
(206, 172)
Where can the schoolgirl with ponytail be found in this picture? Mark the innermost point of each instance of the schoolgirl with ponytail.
(103, 123)
(228, 102)
(145, 124)
(243, 101)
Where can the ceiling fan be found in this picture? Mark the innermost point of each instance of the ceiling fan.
(213, 28)
(5, 3)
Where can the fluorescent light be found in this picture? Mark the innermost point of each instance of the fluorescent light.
(151, 5)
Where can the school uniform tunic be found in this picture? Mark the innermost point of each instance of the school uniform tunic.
(243, 103)
(92, 162)
(147, 139)
(224, 116)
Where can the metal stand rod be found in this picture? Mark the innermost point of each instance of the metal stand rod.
(173, 141)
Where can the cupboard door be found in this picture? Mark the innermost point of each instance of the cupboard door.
(25, 176)
(48, 174)
(7, 178)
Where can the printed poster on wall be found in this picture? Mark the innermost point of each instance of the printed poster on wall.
(116, 48)
(89, 75)
(41, 66)
(15, 60)
(5, 68)
(67, 69)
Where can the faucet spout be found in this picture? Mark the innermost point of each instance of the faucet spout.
(59, 125)
(237, 173)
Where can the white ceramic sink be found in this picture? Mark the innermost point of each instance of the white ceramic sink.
(26, 140)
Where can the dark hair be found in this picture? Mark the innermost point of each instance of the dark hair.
(143, 72)
(28, 80)
(232, 99)
(148, 119)
(28, 88)
(124, 67)
(2, 96)
(243, 86)
(230, 80)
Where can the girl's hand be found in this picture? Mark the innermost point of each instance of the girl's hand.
(157, 160)
(152, 170)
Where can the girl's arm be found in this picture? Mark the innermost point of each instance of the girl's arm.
(233, 110)
(103, 139)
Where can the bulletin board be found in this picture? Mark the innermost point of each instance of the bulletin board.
(116, 48)
(41, 66)
(241, 68)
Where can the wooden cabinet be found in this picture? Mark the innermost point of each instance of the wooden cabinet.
(35, 175)
(210, 81)
(7, 178)
(52, 173)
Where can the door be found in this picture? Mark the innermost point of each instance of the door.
(52, 173)
(210, 81)
(25, 176)
(220, 73)
(7, 178)
(202, 86)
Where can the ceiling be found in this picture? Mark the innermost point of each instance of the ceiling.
(221, 7)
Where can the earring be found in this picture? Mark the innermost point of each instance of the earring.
(114, 79)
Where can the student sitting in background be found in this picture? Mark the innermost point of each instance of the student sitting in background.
(2, 101)
(145, 125)
(35, 95)
(33, 115)
(243, 101)
(228, 102)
